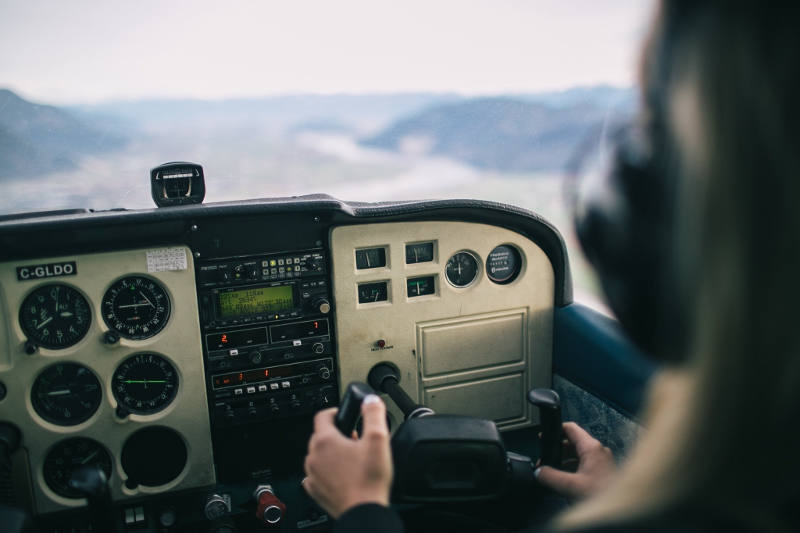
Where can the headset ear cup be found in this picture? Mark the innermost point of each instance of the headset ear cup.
(619, 225)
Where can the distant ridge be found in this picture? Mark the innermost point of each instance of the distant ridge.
(36, 139)
(506, 134)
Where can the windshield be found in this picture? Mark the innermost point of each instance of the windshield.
(363, 100)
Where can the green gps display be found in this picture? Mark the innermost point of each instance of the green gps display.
(254, 301)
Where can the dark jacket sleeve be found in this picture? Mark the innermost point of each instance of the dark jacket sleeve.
(369, 517)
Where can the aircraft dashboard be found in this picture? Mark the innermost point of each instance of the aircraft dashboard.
(185, 350)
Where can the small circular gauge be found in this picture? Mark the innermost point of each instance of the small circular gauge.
(69, 455)
(55, 316)
(461, 269)
(145, 383)
(136, 307)
(503, 264)
(66, 394)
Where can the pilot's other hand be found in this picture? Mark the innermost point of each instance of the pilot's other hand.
(596, 466)
(344, 472)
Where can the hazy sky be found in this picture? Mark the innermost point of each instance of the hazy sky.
(93, 50)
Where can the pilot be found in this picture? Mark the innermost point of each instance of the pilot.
(720, 162)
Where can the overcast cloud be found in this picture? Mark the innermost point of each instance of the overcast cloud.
(94, 50)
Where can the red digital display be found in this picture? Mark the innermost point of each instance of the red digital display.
(228, 379)
(262, 374)
(299, 330)
(236, 339)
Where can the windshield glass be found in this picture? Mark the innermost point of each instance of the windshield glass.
(365, 100)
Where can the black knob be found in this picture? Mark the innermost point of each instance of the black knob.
(110, 337)
(549, 405)
(350, 409)
(325, 372)
(256, 357)
(318, 348)
(322, 305)
(217, 505)
(30, 347)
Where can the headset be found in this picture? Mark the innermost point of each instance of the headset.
(626, 219)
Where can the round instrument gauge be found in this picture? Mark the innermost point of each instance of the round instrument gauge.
(136, 307)
(69, 455)
(461, 269)
(66, 394)
(145, 383)
(503, 264)
(55, 316)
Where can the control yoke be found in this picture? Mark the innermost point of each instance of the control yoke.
(449, 458)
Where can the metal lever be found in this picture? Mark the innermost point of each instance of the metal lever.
(384, 378)
(549, 405)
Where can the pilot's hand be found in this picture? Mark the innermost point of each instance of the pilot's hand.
(341, 472)
(596, 466)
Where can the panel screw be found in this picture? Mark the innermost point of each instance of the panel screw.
(194, 227)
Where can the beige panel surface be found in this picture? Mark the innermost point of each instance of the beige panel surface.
(179, 342)
(360, 326)
(501, 399)
(491, 340)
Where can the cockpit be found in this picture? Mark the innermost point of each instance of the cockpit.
(183, 350)
(161, 366)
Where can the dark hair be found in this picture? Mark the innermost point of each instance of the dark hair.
(721, 432)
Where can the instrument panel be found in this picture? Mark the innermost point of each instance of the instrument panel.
(463, 310)
(197, 367)
(97, 360)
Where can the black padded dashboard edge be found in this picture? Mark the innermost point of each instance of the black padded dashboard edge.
(30, 236)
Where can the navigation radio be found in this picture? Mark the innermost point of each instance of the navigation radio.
(267, 335)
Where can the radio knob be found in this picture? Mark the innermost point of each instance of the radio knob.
(318, 348)
(256, 357)
(322, 305)
(325, 372)
(217, 505)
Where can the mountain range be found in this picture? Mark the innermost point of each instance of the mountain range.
(512, 133)
(503, 134)
(36, 139)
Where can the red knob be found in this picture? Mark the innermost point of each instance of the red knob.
(270, 509)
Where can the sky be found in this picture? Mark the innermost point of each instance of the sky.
(90, 51)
